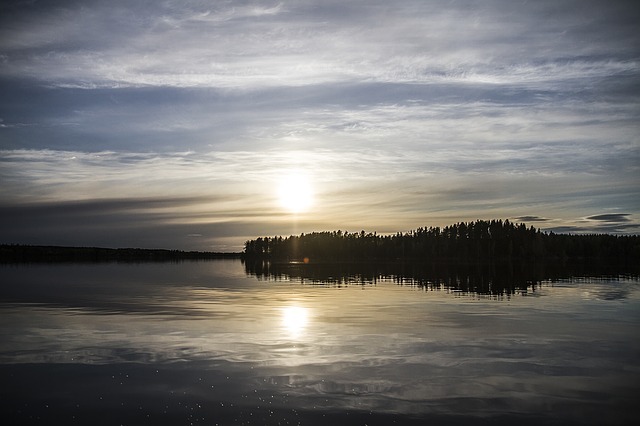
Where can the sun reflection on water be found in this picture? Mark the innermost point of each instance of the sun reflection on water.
(295, 320)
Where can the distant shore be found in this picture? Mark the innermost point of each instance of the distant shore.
(16, 253)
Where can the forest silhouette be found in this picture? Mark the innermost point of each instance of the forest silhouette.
(467, 242)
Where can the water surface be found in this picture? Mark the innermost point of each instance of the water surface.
(216, 342)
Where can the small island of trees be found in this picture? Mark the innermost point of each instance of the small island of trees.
(478, 242)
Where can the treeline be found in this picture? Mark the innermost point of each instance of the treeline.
(478, 241)
(12, 253)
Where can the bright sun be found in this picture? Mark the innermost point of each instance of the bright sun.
(295, 193)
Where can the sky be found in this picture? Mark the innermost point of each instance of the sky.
(196, 125)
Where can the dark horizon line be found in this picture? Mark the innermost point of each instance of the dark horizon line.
(18, 253)
(115, 248)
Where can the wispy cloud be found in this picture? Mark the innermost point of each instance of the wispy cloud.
(611, 217)
(294, 43)
(531, 219)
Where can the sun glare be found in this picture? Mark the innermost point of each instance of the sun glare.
(295, 193)
(294, 319)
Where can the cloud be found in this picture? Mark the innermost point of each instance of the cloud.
(609, 223)
(611, 217)
(385, 188)
(404, 114)
(631, 228)
(531, 219)
(137, 222)
(301, 43)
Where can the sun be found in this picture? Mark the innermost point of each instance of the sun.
(295, 193)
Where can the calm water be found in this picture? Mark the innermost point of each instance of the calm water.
(217, 343)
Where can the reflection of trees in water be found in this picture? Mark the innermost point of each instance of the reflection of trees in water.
(481, 278)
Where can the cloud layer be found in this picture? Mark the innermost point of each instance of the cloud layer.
(405, 114)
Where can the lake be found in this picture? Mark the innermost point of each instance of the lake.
(224, 343)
